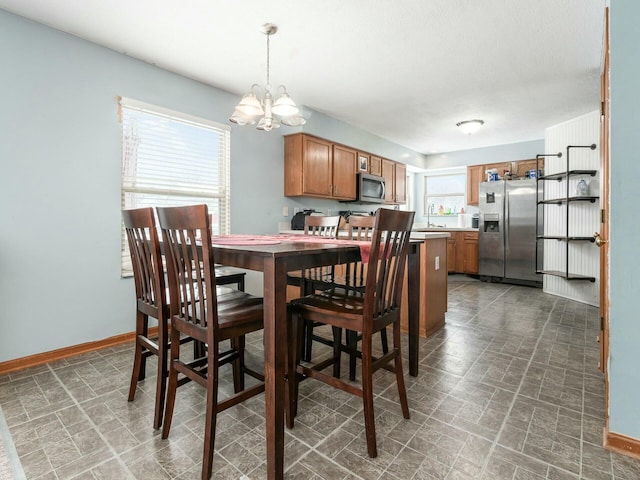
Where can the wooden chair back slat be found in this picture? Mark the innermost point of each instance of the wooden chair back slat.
(187, 237)
(324, 226)
(146, 257)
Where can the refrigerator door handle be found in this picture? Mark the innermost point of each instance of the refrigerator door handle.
(506, 221)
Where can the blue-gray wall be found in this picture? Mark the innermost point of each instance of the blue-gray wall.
(624, 322)
(60, 162)
(480, 156)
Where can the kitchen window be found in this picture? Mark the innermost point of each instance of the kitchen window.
(171, 159)
(444, 195)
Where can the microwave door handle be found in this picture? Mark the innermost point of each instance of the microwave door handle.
(384, 191)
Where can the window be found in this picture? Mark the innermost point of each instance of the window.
(171, 159)
(444, 195)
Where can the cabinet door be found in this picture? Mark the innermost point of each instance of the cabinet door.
(401, 183)
(521, 167)
(475, 175)
(316, 166)
(501, 167)
(375, 165)
(344, 173)
(451, 253)
(388, 172)
(470, 254)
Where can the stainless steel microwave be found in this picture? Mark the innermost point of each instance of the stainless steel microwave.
(370, 189)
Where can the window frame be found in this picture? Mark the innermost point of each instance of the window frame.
(218, 194)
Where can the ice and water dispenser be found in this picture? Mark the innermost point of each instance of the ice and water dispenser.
(491, 222)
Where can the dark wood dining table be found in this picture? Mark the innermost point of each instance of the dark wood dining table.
(274, 260)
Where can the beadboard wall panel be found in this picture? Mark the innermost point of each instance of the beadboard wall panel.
(584, 219)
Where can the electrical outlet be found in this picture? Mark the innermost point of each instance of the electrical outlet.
(437, 263)
(285, 211)
(329, 212)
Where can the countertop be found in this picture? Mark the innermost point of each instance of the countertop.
(426, 234)
(446, 229)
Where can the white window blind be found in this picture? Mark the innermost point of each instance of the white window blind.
(170, 159)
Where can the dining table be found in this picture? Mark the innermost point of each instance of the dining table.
(274, 256)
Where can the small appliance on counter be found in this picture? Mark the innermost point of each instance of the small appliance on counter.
(475, 220)
(297, 222)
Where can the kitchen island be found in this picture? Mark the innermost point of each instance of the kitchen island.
(433, 280)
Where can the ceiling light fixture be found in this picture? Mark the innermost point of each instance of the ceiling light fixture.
(470, 126)
(259, 102)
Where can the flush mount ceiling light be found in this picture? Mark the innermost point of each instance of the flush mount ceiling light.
(259, 106)
(470, 126)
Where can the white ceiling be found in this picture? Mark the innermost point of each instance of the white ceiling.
(405, 70)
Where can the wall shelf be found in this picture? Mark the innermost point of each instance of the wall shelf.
(566, 201)
(565, 238)
(561, 201)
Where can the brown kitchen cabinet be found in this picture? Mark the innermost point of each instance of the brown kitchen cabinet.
(462, 252)
(400, 193)
(395, 179)
(521, 167)
(451, 252)
(389, 174)
(375, 165)
(475, 175)
(343, 179)
(470, 252)
(315, 167)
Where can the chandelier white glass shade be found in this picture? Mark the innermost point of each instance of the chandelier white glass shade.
(258, 106)
(470, 126)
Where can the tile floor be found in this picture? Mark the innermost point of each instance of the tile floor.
(509, 389)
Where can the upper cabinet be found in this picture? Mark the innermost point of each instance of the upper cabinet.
(343, 173)
(317, 168)
(375, 165)
(314, 167)
(476, 174)
(395, 180)
(389, 174)
(400, 183)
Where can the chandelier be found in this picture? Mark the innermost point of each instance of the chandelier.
(259, 103)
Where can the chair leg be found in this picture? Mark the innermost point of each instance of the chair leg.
(172, 386)
(138, 359)
(337, 351)
(367, 396)
(211, 412)
(238, 343)
(294, 330)
(352, 345)
(402, 391)
(308, 339)
(161, 376)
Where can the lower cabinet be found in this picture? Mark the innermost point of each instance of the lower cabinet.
(470, 252)
(462, 252)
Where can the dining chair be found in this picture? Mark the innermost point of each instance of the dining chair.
(201, 311)
(352, 277)
(322, 226)
(366, 313)
(360, 228)
(152, 301)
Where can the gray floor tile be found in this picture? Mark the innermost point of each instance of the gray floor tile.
(509, 389)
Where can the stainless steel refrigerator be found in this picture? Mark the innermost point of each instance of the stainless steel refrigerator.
(507, 231)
